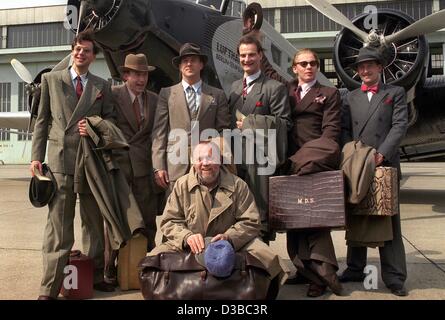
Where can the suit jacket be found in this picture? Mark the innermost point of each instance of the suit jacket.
(172, 112)
(380, 123)
(312, 119)
(58, 114)
(139, 139)
(267, 97)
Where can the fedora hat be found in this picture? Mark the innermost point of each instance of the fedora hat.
(136, 62)
(218, 258)
(188, 49)
(368, 54)
(42, 187)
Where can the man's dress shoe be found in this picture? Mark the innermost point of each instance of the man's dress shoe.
(351, 276)
(103, 286)
(334, 284)
(315, 290)
(298, 279)
(399, 291)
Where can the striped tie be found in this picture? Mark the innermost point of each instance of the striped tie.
(191, 99)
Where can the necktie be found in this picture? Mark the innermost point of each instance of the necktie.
(374, 89)
(137, 111)
(79, 87)
(244, 87)
(298, 94)
(191, 99)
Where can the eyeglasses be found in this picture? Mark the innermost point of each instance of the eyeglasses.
(304, 64)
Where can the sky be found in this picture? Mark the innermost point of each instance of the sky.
(9, 4)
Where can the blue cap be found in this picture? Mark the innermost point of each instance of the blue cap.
(219, 258)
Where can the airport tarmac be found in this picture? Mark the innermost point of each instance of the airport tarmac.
(423, 227)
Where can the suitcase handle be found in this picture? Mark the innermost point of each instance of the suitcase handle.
(75, 253)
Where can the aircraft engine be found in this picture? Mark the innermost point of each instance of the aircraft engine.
(407, 59)
(105, 17)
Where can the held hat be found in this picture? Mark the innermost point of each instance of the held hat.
(136, 62)
(42, 187)
(368, 54)
(218, 258)
(188, 49)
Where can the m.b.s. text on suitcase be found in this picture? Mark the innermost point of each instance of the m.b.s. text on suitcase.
(308, 201)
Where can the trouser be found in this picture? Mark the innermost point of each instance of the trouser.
(313, 254)
(259, 186)
(392, 257)
(58, 237)
(147, 203)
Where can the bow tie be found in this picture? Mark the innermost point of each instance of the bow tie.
(374, 89)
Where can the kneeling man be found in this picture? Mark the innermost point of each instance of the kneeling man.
(212, 202)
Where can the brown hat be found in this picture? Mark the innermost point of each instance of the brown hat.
(137, 62)
(188, 49)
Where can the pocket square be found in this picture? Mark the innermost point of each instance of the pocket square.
(258, 104)
(388, 101)
(99, 96)
(320, 99)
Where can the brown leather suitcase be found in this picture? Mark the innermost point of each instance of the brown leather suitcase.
(382, 198)
(127, 262)
(309, 201)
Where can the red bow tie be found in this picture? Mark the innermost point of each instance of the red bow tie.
(374, 89)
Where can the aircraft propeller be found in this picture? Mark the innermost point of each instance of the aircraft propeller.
(425, 25)
(334, 14)
(22, 71)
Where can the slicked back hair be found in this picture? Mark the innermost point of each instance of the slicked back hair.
(250, 40)
(306, 50)
(86, 35)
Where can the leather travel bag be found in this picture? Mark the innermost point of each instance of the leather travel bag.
(382, 198)
(178, 276)
(308, 201)
(78, 281)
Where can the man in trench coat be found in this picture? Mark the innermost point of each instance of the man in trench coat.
(212, 202)
(376, 114)
(67, 97)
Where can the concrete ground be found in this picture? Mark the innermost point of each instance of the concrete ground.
(423, 226)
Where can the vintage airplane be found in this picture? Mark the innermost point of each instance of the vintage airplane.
(159, 27)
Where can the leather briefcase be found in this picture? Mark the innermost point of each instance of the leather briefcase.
(308, 201)
(178, 276)
(382, 198)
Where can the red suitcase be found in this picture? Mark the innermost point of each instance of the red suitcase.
(78, 281)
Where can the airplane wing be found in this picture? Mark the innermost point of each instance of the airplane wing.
(14, 120)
